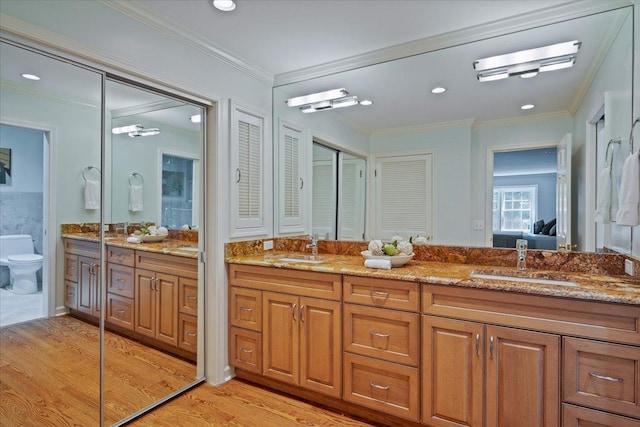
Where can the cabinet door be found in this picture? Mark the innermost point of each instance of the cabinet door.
(188, 296)
(166, 315)
(452, 362)
(86, 285)
(280, 337)
(522, 380)
(320, 346)
(292, 160)
(145, 303)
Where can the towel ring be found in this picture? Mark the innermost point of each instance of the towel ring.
(135, 176)
(87, 169)
(635, 122)
(609, 161)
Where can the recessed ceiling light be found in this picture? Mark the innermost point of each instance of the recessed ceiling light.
(366, 102)
(527, 107)
(438, 90)
(224, 5)
(30, 76)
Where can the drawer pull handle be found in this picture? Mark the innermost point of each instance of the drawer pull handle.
(120, 280)
(246, 309)
(302, 313)
(71, 294)
(120, 311)
(293, 312)
(378, 334)
(379, 387)
(605, 378)
(478, 344)
(193, 334)
(191, 297)
(379, 294)
(244, 350)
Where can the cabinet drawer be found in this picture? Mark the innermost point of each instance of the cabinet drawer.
(386, 334)
(120, 311)
(71, 294)
(188, 333)
(575, 416)
(295, 282)
(122, 256)
(188, 296)
(82, 248)
(71, 267)
(245, 350)
(245, 308)
(169, 264)
(382, 293)
(602, 375)
(120, 280)
(383, 386)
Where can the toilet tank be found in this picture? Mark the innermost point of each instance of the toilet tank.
(16, 244)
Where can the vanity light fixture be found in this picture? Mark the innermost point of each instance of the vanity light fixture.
(195, 119)
(527, 107)
(528, 63)
(224, 5)
(126, 129)
(330, 105)
(439, 89)
(317, 97)
(366, 102)
(144, 132)
(30, 76)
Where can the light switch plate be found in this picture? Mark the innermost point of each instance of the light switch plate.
(628, 267)
(478, 225)
(267, 245)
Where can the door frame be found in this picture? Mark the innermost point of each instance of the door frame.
(491, 151)
(50, 228)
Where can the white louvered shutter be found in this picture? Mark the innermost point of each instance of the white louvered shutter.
(291, 180)
(404, 196)
(324, 198)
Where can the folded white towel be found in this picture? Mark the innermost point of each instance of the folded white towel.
(133, 240)
(384, 264)
(91, 194)
(629, 197)
(136, 197)
(603, 205)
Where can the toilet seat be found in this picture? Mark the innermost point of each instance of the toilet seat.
(24, 259)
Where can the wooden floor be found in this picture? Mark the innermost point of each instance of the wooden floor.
(240, 404)
(49, 374)
(49, 377)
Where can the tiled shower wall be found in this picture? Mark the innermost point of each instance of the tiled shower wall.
(22, 213)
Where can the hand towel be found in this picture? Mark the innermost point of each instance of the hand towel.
(133, 240)
(603, 205)
(91, 194)
(384, 264)
(136, 197)
(629, 197)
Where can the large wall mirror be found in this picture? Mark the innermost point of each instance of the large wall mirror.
(152, 342)
(465, 131)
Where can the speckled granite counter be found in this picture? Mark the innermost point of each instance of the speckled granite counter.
(618, 289)
(183, 248)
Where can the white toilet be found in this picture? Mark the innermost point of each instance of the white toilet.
(16, 252)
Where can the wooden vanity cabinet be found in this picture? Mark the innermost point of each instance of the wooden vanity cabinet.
(300, 330)
(82, 276)
(188, 314)
(120, 287)
(156, 305)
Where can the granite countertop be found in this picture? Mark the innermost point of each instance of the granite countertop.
(591, 287)
(167, 246)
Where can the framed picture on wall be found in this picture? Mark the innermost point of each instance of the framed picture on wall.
(5, 166)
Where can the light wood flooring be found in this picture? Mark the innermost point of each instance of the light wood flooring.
(49, 377)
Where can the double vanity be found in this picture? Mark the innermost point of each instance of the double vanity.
(151, 288)
(456, 337)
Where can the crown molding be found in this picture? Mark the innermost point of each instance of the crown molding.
(522, 22)
(151, 19)
(455, 124)
(517, 121)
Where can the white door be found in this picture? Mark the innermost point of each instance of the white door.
(563, 195)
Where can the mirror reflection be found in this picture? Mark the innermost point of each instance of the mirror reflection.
(459, 130)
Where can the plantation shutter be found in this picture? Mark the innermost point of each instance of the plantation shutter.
(324, 199)
(350, 196)
(404, 196)
(291, 181)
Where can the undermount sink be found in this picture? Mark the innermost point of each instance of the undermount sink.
(309, 259)
(188, 248)
(524, 277)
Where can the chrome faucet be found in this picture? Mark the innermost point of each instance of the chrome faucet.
(313, 245)
(521, 246)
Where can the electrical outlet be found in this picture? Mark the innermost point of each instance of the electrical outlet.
(105, 227)
(628, 267)
(478, 225)
(267, 245)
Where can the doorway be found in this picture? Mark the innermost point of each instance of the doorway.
(24, 150)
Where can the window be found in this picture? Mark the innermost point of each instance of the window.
(514, 208)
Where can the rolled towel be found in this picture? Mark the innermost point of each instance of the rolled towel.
(133, 240)
(384, 264)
